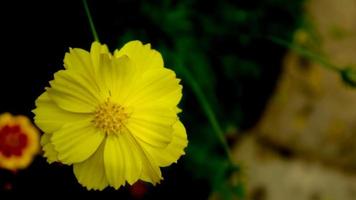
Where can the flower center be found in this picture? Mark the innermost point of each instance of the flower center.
(12, 140)
(110, 117)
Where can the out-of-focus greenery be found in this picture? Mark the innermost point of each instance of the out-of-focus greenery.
(224, 48)
(309, 50)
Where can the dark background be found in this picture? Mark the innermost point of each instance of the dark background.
(224, 43)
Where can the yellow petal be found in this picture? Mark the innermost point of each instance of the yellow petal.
(152, 125)
(49, 152)
(143, 56)
(77, 59)
(49, 117)
(80, 61)
(70, 91)
(150, 170)
(91, 172)
(76, 142)
(156, 87)
(118, 76)
(175, 149)
(114, 161)
(96, 51)
(132, 156)
(177, 110)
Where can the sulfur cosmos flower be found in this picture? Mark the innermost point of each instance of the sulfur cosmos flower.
(19, 141)
(112, 116)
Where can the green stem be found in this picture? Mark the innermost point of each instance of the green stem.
(208, 112)
(91, 23)
(306, 53)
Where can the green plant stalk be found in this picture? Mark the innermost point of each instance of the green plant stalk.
(91, 23)
(306, 53)
(208, 112)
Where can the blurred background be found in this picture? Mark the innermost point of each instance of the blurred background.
(271, 72)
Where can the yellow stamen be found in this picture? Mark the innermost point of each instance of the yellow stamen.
(110, 117)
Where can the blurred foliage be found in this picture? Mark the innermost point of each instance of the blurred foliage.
(348, 75)
(308, 48)
(223, 46)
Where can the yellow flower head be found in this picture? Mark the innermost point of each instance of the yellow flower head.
(113, 117)
(19, 141)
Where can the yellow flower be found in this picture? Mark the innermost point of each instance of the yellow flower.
(19, 141)
(113, 117)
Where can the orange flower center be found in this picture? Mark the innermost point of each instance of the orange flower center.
(110, 117)
(12, 140)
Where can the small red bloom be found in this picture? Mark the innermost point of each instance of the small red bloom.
(138, 190)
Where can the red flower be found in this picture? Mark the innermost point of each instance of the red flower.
(19, 141)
